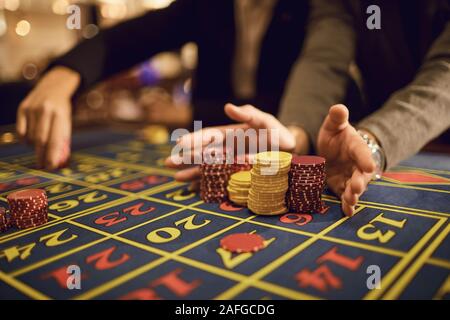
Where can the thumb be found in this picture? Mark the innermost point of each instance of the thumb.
(337, 119)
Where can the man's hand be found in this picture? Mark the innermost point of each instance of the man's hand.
(44, 117)
(349, 161)
(248, 117)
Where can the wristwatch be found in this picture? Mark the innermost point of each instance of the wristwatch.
(377, 154)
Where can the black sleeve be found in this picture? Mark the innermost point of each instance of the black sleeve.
(131, 42)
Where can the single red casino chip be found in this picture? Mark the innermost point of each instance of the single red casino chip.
(242, 242)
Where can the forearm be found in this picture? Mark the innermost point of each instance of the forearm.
(419, 112)
(126, 44)
(320, 77)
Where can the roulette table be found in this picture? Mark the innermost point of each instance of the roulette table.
(133, 232)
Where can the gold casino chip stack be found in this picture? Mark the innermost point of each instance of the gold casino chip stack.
(238, 187)
(269, 183)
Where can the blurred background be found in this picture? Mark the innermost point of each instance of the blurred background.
(158, 91)
(33, 32)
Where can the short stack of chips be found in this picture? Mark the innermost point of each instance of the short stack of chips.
(269, 183)
(28, 208)
(4, 221)
(306, 183)
(215, 174)
(238, 187)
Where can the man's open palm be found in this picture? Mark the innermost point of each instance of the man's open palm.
(349, 161)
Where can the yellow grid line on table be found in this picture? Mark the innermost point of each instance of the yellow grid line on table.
(438, 262)
(402, 186)
(409, 274)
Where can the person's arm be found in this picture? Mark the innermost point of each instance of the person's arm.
(44, 116)
(123, 46)
(419, 112)
(320, 76)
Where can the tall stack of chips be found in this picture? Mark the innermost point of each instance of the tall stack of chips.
(215, 173)
(28, 208)
(269, 183)
(4, 221)
(238, 187)
(306, 183)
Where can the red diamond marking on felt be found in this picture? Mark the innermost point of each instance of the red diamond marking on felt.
(413, 177)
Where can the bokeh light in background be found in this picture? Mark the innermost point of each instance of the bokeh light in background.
(90, 31)
(113, 9)
(23, 28)
(95, 99)
(11, 5)
(60, 7)
(30, 71)
(34, 32)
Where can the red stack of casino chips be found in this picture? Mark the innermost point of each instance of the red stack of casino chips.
(306, 183)
(28, 208)
(4, 220)
(214, 181)
(215, 173)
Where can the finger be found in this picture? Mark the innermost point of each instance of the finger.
(188, 175)
(349, 196)
(206, 136)
(337, 119)
(40, 156)
(360, 153)
(194, 186)
(175, 162)
(184, 160)
(356, 187)
(42, 135)
(336, 183)
(59, 135)
(348, 209)
(31, 125)
(248, 114)
(21, 122)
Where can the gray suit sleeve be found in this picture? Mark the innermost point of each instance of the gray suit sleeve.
(416, 114)
(320, 76)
